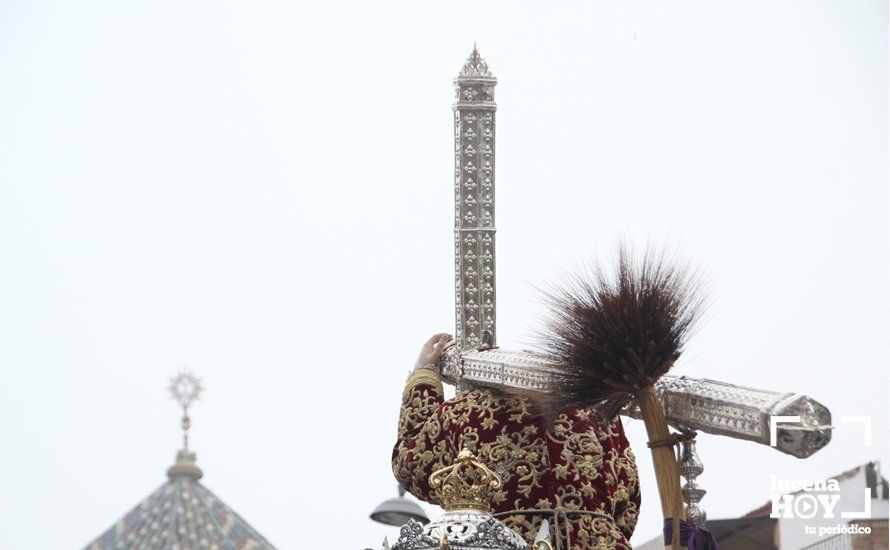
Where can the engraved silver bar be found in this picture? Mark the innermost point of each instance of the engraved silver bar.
(704, 405)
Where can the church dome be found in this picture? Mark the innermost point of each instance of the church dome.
(182, 514)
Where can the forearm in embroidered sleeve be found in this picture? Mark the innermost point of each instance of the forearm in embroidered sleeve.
(421, 446)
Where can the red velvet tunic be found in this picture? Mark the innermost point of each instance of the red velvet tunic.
(579, 473)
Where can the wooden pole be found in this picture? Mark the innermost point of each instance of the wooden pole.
(666, 472)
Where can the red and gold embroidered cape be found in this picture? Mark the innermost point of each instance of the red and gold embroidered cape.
(578, 472)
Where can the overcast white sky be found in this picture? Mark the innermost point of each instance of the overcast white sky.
(261, 191)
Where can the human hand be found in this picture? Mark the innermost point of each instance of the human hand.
(432, 350)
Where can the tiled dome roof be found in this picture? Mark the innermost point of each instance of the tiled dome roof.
(181, 515)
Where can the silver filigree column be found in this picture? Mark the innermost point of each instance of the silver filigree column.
(474, 226)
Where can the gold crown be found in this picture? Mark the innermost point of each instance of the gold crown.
(465, 484)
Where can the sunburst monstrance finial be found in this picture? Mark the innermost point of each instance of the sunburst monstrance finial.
(185, 388)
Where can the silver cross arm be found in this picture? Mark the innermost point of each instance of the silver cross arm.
(708, 406)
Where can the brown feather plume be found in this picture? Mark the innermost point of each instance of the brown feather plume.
(613, 334)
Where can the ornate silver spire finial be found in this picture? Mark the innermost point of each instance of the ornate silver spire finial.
(185, 388)
(475, 66)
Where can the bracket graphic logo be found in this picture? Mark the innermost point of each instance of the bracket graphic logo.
(807, 498)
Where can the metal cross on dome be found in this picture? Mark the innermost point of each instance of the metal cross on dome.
(185, 388)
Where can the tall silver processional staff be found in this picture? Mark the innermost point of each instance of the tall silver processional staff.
(792, 423)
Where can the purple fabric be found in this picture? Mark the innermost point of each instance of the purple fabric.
(691, 537)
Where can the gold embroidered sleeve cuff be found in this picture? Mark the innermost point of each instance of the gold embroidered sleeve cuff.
(425, 377)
